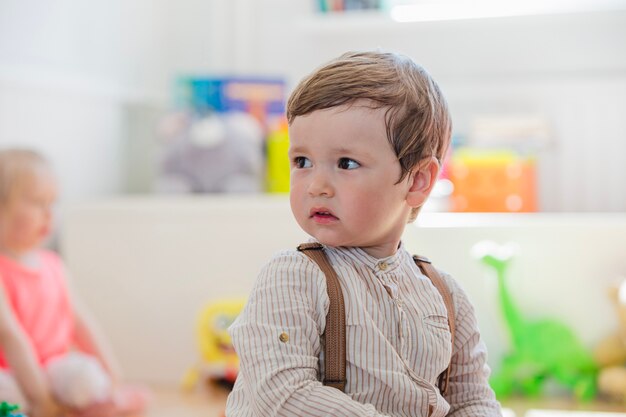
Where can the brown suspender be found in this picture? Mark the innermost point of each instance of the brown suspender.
(429, 270)
(335, 333)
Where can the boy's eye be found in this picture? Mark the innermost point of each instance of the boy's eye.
(302, 162)
(347, 163)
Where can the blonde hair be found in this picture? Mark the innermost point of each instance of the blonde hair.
(15, 165)
(417, 119)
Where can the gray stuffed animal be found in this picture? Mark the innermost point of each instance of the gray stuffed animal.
(217, 153)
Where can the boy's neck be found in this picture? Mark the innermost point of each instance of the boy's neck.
(381, 251)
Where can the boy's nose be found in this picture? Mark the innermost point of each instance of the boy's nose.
(320, 185)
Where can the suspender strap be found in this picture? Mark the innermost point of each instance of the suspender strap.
(427, 269)
(335, 332)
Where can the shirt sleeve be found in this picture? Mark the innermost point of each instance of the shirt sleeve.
(277, 338)
(469, 393)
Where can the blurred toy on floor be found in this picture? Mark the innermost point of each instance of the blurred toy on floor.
(9, 410)
(542, 350)
(610, 353)
(220, 363)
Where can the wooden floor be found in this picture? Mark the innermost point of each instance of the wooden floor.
(564, 408)
(173, 402)
(210, 402)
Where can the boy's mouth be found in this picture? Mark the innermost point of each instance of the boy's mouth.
(322, 215)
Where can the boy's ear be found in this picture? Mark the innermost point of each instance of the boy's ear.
(422, 180)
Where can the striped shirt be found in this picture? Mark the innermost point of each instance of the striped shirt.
(397, 342)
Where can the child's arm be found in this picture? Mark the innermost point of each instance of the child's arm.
(90, 339)
(469, 393)
(278, 343)
(22, 359)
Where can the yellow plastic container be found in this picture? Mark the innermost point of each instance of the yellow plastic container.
(278, 166)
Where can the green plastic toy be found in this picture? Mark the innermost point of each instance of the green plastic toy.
(7, 410)
(541, 350)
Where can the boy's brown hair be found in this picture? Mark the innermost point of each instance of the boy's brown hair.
(417, 119)
(15, 166)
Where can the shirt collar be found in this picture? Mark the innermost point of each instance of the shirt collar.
(359, 256)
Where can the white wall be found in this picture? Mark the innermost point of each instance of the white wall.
(70, 69)
(146, 266)
(78, 131)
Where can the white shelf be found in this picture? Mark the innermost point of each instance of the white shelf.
(347, 22)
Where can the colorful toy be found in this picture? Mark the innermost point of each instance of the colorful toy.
(9, 410)
(610, 353)
(541, 350)
(219, 360)
(215, 141)
(278, 164)
(261, 97)
(492, 180)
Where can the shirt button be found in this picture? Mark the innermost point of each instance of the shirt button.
(284, 337)
(382, 265)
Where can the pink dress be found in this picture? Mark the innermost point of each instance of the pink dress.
(40, 302)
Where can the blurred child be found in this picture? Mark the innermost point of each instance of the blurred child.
(367, 132)
(53, 358)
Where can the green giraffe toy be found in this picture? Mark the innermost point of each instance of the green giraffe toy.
(541, 350)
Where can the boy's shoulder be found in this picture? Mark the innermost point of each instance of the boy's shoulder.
(448, 279)
(290, 262)
(285, 255)
(458, 293)
(290, 271)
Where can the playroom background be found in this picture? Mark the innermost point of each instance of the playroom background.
(164, 121)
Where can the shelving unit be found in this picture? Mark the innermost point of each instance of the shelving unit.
(347, 22)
